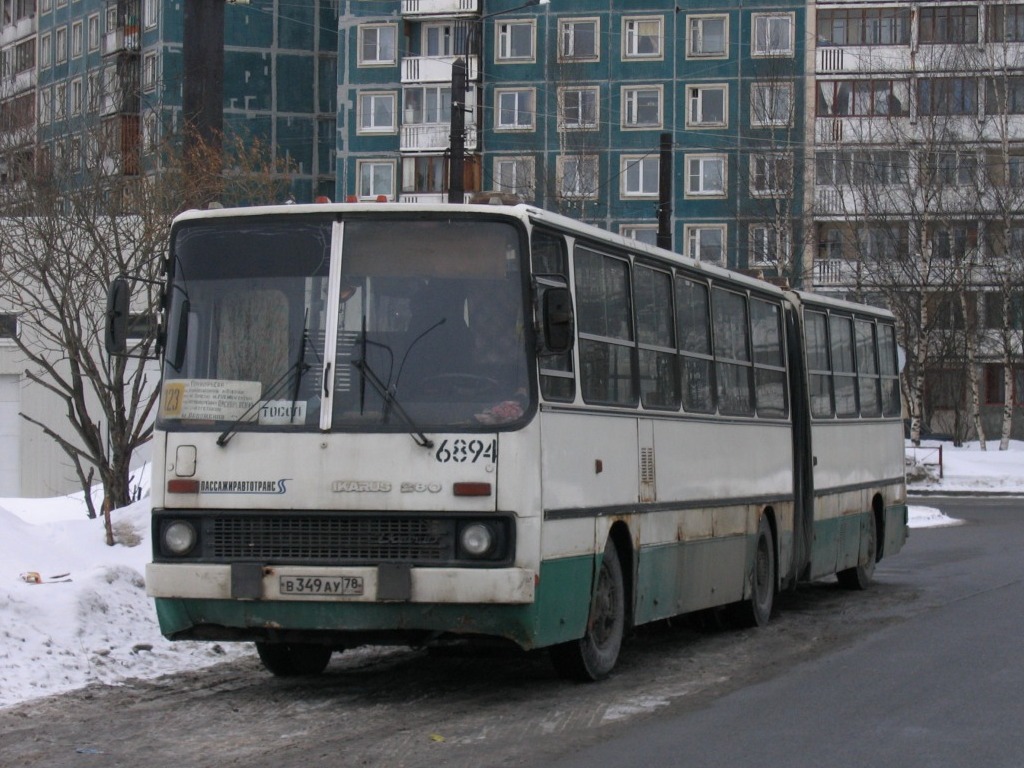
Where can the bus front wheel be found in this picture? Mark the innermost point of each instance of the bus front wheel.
(292, 659)
(593, 656)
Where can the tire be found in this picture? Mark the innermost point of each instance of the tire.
(293, 659)
(593, 656)
(861, 576)
(756, 611)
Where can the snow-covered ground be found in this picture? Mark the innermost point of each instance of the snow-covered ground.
(88, 619)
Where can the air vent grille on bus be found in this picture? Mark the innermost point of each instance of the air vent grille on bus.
(308, 538)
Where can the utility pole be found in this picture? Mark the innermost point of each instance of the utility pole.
(665, 192)
(202, 89)
(457, 137)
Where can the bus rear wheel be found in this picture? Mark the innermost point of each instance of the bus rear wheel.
(293, 659)
(861, 576)
(757, 610)
(593, 656)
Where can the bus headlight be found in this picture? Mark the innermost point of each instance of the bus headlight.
(477, 539)
(179, 537)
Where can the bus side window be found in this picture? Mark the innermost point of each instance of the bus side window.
(844, 374)
(819, 370)
(548, 257)
(732, 352)
(604, 319)
(888, 369)
(867, 368)
(655, 331)
(769, 363)
(694, 333)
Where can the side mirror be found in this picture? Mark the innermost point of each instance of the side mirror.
(177, 336)
(559, 321)
(116, 331)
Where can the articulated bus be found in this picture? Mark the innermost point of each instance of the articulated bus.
(410, 424)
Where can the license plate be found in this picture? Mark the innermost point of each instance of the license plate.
(321, 585)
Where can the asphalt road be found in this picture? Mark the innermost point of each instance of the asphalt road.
(922, 669)
(942, 687)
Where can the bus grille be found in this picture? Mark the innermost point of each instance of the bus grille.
(309, 538)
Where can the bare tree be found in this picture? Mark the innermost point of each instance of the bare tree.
(73, 221)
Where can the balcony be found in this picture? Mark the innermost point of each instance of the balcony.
(430, 198)
(121, 40)
(433, 137)
(439, 7)
(19, 83)
(836, 59)
(834, 272)
(436, 69)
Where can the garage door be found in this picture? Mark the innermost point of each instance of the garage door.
(10, 431)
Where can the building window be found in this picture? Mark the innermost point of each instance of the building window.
(94, 32)
(45, 51)
(948, 24)
(151, 13)
(95, 90)
(424, 174)
(1004, 95)
(8, 326)
(707, 106)
(60, 41)
(771, 174)
(947, 96)
(45, 6)
(707, 37)
(77, 40)
(1005, 23)
(111, 25)
(767, 246)
(578, 40)
(45, 105)
(515, 109)
(773, 34)
(377, 112)
(639, 176)
(641, 107)
(427, 105)
(864, 26)
(642, 233)
(446, 39)
(705, 175)
(949, 168)
(377, 44)
(863, 98)
(577, 176)
(60, 101)
(953, 240)
(376, 178)
(515, 175)
(641, 37)
(515, 41)
(705, 242)
(577, 108)
(771, 104)
(150, 134)
(149, 71)
(76, 96)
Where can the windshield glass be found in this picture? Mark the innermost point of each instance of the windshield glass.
(431, 323)
(429, 334)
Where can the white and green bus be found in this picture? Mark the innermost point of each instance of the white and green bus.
(404, 424)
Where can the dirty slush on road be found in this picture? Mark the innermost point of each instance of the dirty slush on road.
(457, 706)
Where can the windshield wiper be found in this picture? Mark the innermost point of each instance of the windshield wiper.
(388, 396)
(296, 369)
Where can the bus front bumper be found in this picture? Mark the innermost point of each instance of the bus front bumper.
(341, 584)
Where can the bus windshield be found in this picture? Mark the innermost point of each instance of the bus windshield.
(429, 331)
